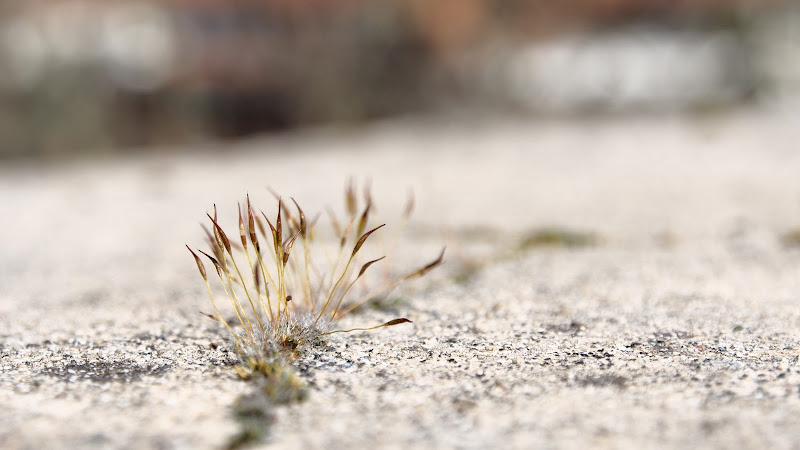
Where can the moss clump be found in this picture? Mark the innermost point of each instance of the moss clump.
(791, 238)
(284, 286)
(285, 289)
(556, 237)
(253, 413)
(275, 380)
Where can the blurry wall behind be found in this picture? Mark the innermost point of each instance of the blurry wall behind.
(80, 76)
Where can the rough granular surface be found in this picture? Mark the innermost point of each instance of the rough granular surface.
(621, 283)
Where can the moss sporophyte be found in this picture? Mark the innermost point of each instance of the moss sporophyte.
(285, 288)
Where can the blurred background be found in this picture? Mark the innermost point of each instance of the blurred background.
(92, 76)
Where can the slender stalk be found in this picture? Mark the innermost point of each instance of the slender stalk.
(330, 294)
(264, 276)
(391, 285)
(344, 294)
(387, 324)
(384, 288)
(232, 295)
(282, 286)
(308, 276)
(247, 291)
(342, 241)
(356, 248)
(219, 316)
(202, 269)
(243, 233)
(237, 307)
(223, 242)
(219, 269)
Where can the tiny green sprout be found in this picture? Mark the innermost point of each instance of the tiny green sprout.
(282, 284)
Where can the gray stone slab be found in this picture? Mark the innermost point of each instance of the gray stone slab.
(677, 328)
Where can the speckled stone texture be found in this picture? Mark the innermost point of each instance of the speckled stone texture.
(677, 327)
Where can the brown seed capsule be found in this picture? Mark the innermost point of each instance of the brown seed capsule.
(302, 219)
(242, 234)
(200, 265)
(363, 239)
(351, 202)
(366, 266)
(396, 322)
(219, 234)
(251, 227)
(362, 223)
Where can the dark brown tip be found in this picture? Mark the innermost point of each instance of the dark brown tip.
(366, 266)
(242, 233)
(213, 261)
(302, 218)
(362, 223)
(219, 234)
(273, 231)
(200, 265)
(363, 239)
(257, 275)
(351, 202)
(430, 266)
(278, 225)
(396, 322)
(251, 226)
(287, 249)
(210, 316)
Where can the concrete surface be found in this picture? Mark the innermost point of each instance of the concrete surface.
(677, 329)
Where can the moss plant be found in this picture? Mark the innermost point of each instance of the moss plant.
(556, 237)
(791, 238)
(284, 291)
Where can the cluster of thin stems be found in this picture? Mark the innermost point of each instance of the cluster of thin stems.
(274, 296)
